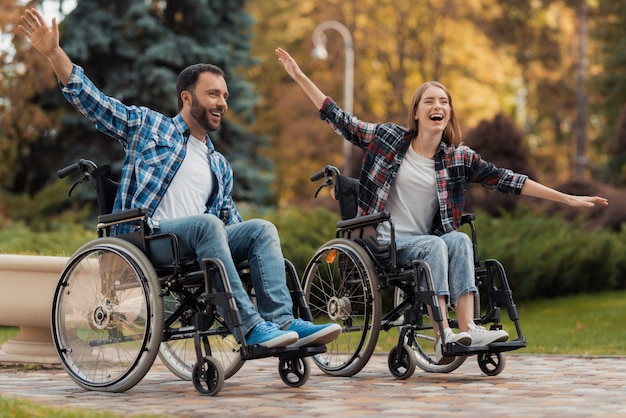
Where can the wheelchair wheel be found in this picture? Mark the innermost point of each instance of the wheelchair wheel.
(208, 377)
(492, 364)
(341, 285)
(107, 315)
(402, 362)
(179, 354)
(423, 345)
(294, 371)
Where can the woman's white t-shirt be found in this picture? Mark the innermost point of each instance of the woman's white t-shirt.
(412, 201)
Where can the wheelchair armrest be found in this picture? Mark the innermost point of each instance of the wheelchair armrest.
(122, 216)
(362, 221)
(467, 218)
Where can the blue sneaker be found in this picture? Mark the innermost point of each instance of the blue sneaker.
(311, 334)
(268, 334)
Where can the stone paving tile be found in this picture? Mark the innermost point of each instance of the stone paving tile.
(529, 387)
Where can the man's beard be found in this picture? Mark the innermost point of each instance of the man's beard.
(201, 115)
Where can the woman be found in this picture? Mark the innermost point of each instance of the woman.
(419, 175)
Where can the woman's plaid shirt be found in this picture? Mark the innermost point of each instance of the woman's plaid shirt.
(155, 146)
(384, 147)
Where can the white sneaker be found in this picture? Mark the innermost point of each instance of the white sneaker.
(463, 338)
(482, 336)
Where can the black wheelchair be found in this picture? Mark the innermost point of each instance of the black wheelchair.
(121, 301)
(345, 280)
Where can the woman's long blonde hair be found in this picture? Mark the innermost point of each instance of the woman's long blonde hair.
(452, 132)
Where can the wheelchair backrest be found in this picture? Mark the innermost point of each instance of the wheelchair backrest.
(347, 194)
(106, 188)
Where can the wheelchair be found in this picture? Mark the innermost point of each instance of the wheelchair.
(345, 280)
(121, 301)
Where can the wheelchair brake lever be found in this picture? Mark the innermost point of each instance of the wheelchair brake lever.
(328, 182)
(76, 183)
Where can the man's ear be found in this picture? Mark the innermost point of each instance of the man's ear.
(185, 97)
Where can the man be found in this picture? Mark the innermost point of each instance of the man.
(172, 169)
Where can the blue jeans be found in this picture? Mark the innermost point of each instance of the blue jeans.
(256, 240)
(450, 258)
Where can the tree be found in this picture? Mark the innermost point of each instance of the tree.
(25, 128)
(608, 80)
(501, 142)
(134, 52)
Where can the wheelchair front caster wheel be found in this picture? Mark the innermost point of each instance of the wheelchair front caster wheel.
(402, 362)
(492, 364)
(294, 371)
(208, 376)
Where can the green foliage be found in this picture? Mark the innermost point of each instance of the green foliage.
(548, 256)
(49, 223)
(48, 208)
(59, 240)
(543, 256)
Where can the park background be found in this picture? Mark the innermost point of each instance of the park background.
(539, 86)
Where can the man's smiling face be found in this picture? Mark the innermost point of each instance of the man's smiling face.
(209, 101)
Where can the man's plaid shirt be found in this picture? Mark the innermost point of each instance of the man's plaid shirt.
(155, 146)
(384, 147)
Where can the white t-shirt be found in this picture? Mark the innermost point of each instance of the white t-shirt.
(412, 201)
(191, 186)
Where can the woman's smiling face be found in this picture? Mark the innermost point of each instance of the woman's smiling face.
(433, 110)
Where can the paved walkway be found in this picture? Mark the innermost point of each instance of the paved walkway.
(529, 386)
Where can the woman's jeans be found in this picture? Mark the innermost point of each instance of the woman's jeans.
(450, 258)
(257, 241)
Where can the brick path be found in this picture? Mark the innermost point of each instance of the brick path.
(529, 386)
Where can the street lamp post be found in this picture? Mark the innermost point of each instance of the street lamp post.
(320, 52)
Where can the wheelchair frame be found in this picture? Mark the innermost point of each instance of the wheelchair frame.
(344, 280)
(114, 311)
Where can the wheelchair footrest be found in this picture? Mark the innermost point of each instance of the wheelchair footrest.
(508, 345)
(455, 349)
(257, 352)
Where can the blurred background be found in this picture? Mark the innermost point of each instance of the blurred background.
(539, 86)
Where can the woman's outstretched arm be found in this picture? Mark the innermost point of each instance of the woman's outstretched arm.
(532, 188)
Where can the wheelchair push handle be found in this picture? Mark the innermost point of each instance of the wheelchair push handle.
(64, 172)
(83, 166)
(329, 173)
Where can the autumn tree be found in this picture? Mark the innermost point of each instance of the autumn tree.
(26, 129)
(608, 80)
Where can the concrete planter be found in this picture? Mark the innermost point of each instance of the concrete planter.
(28, 283)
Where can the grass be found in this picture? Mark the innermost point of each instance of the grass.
(17, 408)
(576, 325)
